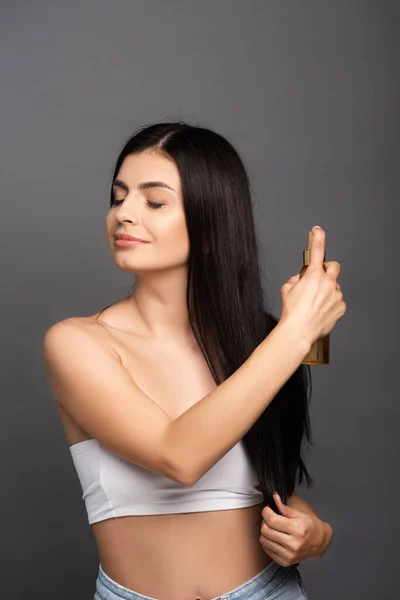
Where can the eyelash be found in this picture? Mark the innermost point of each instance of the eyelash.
(151, 205)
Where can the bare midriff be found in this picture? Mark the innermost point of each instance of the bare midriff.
(180, 556)
(188, 556)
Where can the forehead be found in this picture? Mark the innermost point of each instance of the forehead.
(149, 166)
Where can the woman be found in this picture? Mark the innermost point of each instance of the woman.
(179, 422)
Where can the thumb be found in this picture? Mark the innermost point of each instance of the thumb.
(284, 509)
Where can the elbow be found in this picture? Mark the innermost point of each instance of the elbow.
(176, 467)
(186, 481)
(181, 475)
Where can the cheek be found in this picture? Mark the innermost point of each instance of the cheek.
(173, 241)
(110, 223)
(109, 227)
(171, 231)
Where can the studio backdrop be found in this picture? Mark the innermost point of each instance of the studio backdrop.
(308, 92)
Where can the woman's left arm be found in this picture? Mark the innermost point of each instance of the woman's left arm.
(297, 533)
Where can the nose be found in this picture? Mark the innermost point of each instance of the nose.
(124, 216)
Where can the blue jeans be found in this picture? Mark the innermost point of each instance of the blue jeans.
(272, 583)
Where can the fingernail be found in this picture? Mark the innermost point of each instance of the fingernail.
(316, 227)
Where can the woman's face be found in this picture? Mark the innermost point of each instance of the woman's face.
(162, 226)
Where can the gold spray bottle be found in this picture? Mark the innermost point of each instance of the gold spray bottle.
(319, 351)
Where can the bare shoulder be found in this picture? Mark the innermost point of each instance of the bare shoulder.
(74, 335)
(78, 329)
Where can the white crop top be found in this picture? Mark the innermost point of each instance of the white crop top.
(114, 487)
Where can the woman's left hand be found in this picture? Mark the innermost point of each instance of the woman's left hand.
(292, 536)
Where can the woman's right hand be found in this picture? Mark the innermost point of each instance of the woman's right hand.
(314, 303)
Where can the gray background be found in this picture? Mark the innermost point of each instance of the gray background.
(308, 92)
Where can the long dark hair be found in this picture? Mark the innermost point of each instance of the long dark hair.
(225, 298)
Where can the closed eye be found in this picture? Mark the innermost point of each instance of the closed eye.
(149, 204)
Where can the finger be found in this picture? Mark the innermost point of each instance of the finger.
(317, 253)
(275, 556)
(278, 522)
(270, 545)
(272, 555)
(283, 539)
(332, 268)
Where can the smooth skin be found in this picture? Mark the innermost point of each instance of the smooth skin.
(127, 380)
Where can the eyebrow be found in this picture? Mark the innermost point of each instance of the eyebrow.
(143, 186)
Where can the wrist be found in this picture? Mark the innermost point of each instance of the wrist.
(297, 334)
(327, 538)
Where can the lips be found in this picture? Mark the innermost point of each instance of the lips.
(125, 236)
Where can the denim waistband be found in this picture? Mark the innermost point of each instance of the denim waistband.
(269, 577)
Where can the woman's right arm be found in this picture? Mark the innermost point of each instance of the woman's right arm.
(202, 435)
